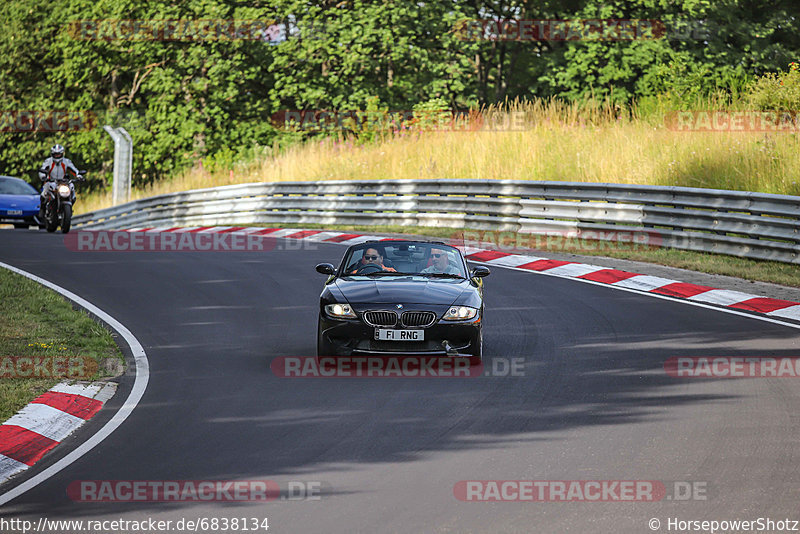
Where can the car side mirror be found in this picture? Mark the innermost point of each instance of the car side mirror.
(479, 272)
(326, 268)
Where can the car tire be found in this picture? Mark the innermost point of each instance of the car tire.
(476, 351)
(323, 347)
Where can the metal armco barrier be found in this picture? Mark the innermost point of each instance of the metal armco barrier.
(738, 223)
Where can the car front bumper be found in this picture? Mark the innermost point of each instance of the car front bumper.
(347, 337)
(30, 217)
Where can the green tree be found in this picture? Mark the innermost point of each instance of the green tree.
(180, 100)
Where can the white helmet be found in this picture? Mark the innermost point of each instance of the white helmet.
(57, 152)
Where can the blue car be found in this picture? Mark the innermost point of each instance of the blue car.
(19, 203)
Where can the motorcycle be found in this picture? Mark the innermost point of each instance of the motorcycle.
(58, 203)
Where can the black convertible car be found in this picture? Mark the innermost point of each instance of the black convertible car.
(401, 297)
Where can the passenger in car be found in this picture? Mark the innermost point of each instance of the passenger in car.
(441, 263)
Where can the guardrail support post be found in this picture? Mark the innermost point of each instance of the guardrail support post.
(123, 163)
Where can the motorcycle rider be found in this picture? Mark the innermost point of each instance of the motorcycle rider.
(52, 170)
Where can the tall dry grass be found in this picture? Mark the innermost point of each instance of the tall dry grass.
(586, 142)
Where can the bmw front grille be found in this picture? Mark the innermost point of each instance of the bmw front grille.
(418, 318)
(380, 318)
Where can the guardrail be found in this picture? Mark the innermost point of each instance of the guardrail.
(739, 223)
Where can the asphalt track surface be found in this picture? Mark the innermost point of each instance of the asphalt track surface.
(594, 404)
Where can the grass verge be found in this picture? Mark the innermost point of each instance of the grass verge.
(39, 323)
(763, 271)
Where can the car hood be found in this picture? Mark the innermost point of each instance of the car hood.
(18, 201)
(415, 290)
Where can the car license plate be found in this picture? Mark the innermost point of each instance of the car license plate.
(384, 334)
(14, 212)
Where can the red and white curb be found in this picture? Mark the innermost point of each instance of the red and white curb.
(766, 306)
(140, 369)
(44, 423)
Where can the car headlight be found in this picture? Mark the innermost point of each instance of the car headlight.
(340, 311)
(460, 313)
(63, 190)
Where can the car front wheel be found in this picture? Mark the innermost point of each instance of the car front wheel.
(476, 350)
(323, 347)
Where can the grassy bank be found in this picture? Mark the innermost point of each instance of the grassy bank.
(553, 140)
(39, 323)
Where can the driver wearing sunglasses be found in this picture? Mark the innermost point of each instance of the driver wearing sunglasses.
(372, 256)
(441, 263)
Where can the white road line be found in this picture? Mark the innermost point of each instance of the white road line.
(137, 391)
(653, 295)
(643, 286)
(650, 283)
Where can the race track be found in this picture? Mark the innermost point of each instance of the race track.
(594, 403)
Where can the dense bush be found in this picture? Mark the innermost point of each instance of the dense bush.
(777, 91)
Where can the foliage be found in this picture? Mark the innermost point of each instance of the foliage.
(179, 100)
(211, 100)
(777, 91)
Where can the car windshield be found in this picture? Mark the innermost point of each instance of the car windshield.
(16, 187)
(389, 258)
